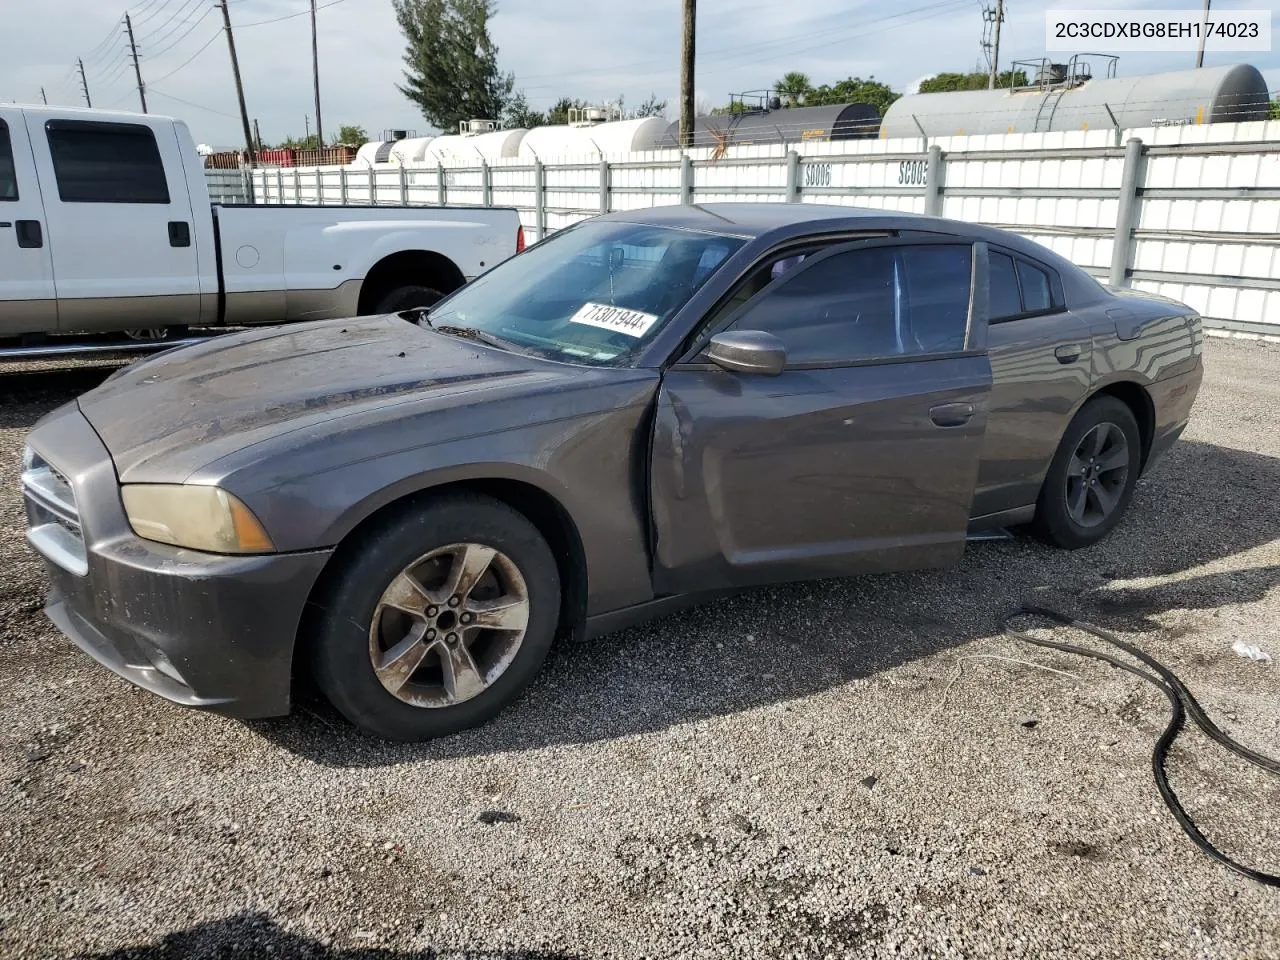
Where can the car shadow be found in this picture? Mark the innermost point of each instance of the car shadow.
(27, 395)
(255, 935)
(776, 644)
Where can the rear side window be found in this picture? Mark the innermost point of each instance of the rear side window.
(106, 162)
(1005, 300)
(871, 303)
(1019, 288)
(8, 176)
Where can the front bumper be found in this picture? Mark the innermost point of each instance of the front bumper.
(203, 630)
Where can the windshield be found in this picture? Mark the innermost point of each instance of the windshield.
(594, 293)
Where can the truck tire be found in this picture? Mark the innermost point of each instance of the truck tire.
(438, 619)
(407, 297)
(1092, 476)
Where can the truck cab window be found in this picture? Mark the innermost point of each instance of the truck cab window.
(8, 176)
(106, 162)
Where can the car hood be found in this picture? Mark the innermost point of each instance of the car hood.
(166, 417)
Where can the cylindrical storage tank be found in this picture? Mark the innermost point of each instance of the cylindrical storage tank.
(457, 150)
(1208, 95)
(620, 136)
(411, 150)
(845, 121)
(374, 152)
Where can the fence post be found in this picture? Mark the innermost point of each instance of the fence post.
(486, 183)
(280, 185)
(604, 185)
(686, 178)
(373, 187)
(342, 186)
(793, 177)
(246, 181)
(297, 186)
(319, 187)
(933, 183)
(441, 195)
(540, 199)
(1131, 181)
(404, 187)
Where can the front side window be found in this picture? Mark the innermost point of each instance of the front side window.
(106, 162)
(594, 293)
(870, 303)
(8, 175)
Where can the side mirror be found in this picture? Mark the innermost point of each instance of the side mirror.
(748, 351)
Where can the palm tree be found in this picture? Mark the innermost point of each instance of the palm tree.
(793, 88)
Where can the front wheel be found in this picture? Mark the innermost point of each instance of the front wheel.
(1092, 476)
(439, 620)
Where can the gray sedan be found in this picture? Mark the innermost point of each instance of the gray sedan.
(641, 410)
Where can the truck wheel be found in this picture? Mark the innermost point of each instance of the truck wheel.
(156, 334)
(439, 620)
(407, 298)
(1092, 476)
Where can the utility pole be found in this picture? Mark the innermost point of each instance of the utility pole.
(315, 74)
(686, 76)
(84, 84)
(1203, 25)
(995, 50)
(235, 69)
(43, 97)
(137, 69)
(306, 126)
(257, 135)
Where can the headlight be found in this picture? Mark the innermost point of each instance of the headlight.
(196, 517)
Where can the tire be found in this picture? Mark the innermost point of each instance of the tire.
(157, 334)
(356, 624)
(407, 297)
(1114, 469)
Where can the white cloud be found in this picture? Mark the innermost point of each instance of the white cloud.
(584, 48)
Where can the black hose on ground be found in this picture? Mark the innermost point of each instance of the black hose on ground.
(1182, 703)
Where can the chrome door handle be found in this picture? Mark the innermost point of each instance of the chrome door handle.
(951, 414)
(1067, 353)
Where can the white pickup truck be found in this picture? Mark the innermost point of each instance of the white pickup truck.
(106, 225)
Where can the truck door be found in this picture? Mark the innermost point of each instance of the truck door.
(119, 220)
(27, 300)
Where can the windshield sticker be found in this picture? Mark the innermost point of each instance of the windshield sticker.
(633, 323)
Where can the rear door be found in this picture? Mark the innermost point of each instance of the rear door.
(27, 298)
(1041, 368)
(119, 220)
(860, 456)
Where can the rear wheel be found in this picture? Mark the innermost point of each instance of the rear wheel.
(407, 297)
(1091, 479)
(442, 618)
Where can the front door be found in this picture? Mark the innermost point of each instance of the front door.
(861, 456)
(120, 222)
(27, 299)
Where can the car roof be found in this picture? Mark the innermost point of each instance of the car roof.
(748, 219)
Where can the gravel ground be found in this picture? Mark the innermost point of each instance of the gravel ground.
(844, 768)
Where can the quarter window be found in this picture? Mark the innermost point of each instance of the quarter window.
(106, 162)
(8, 175)
(869, 303)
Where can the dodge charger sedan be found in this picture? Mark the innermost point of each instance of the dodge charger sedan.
(644, 409)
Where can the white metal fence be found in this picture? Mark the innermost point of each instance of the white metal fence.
(1190, 212)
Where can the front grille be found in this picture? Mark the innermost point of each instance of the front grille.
(53, 521)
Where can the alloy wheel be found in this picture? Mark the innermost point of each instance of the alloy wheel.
(449, 625)
(1096, 474)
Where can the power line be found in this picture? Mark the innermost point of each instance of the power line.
(154, 13)
(198, 106)
(164, 31)
(290, 16)
(190, 30)
(204, 46)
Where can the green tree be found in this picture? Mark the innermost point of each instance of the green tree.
(311, 142)
(855, 90)
(794, 88)
(652, 107)
(350, 136)
(558, 115)
(451, 62)
(519, 115)
(1275, 109)
(971, 81)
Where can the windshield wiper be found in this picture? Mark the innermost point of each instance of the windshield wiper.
(471, 333)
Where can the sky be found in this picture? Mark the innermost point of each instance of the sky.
(592, 49)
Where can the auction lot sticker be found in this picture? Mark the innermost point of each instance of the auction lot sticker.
(634, 323)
